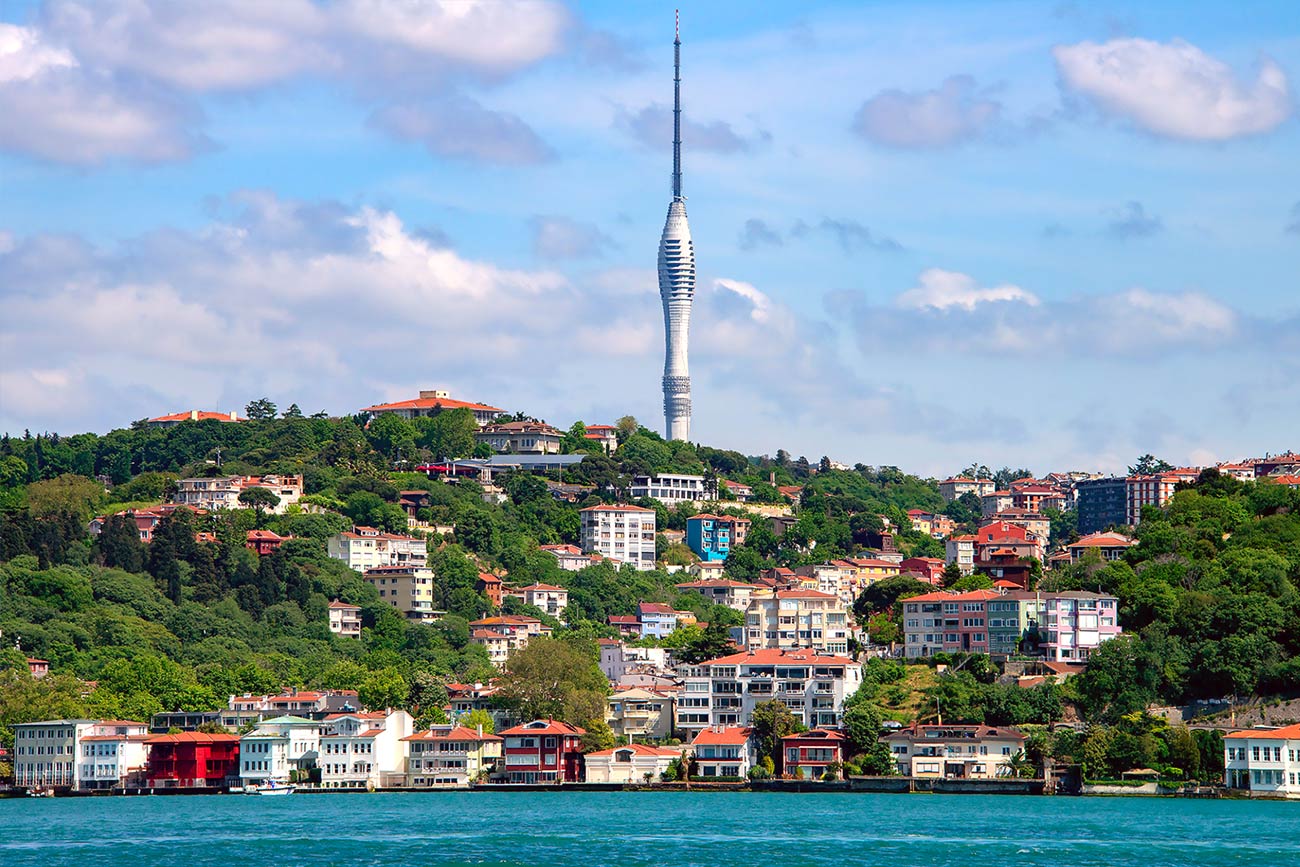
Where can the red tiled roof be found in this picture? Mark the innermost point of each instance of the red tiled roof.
(192, 737)
(344, 605)
(711, 582)
(618, 508)
(968, 596)
(505, 620)
(639, 749)
(655, 608)
(816, 734)
(804, 594)
(552, 727)
(1284, 733)
(1103, 540)
(551, 588)
(431, 403)
(202, 415)
(458, 733)
(731, 735)
(774, 656)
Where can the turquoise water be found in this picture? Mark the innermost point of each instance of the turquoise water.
(630, 829)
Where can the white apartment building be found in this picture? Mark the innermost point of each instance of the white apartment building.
(45, 753)
(1153, 490)
(961, 550)
(450, 755)
(366, 548)
(112, 754)
(547, 597)
(572, 559)
(1264, 762)
(725, 691)
(364, 750)
(505, 633)
(724, 751)
(223, 493)
(345, 619)
(277, 747)
(626, 533)
(409, 589)
(790, 619)
(618, 659)
(669, 488)
(722, 591)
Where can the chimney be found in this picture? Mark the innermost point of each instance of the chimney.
(194, 415)
(480, 731)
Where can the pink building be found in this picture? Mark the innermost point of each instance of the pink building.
(1075, 624)
(948, 622)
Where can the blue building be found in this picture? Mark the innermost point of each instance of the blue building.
(711, 537)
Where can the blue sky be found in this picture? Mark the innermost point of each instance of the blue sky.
(1056, 236)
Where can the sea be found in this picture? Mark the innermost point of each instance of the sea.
(630, 829)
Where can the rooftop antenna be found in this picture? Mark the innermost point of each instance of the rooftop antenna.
(677, 105)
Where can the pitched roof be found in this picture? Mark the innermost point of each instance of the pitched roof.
(430, 403)
(546, 727)
(968, 596)
(547, 587)
(1291, 732)
(639, 749)
(344, 605)
(1103, 540)
(711, 582)
(819, 734)
(192, 738)
(198, 415)
(456, 733)
(774, 656)
(616, 508)
(730, 735)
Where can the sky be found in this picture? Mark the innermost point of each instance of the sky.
(1054, 236)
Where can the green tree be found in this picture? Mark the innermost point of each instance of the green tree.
(68, 494)
(478, 718)
(1149, 464)
(384, 688)
(259, 500)
(771, 721)
(862, 723)
(262, 409)
(549, 677)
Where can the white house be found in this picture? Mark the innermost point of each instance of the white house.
(223, 493)
(112, 753)
(277, 747)
(724, 751)
(1265, 762)
(626, 533)
(669, 488)
(367, 548)
(630, 763)
(345, 619)
(549, 598)
(363, 750)
(450, 755)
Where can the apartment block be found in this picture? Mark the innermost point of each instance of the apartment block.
(625, 533)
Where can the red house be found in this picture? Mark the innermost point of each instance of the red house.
(807, 755)
(263, 542)
(490, 586)
(929, 568)
(192, 759)
(543, 751)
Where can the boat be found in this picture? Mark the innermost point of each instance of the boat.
(39, 792)
(271, 787)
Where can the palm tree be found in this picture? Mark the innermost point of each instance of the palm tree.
(1019, 765)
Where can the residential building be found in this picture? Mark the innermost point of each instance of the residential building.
(263, 542)
(146, 520)
(996, 501)
(1076, 623)
(451, 756)
(521, 438)
(366, 548)
(641, 712)
(430, 403)
(721, 591)
(1014, 621)
(1007, 567)
(948, 622)
(712, 537)
(362, 750)
(542, 751)
(629, 763)
(1285, 464)
(1035, 497)
(724, 752)
(503, 634)
(1242, 472)
(112, 754)
(929, 568)
(192, 760)
(626, 533)
(1004, 535)
(1153, 490)
(669, 488)
(37, 668)
(656, 619)
(809, 755)
(182, 720)
(492, 588)
(1109, 546)
(1035, 524)
(970, 752)
(311, 704)
(618, 659)
(572, 559)
(740, 491)
(725, 691)
(1263, 761)
(604, 434)
(628, 625)
(164, 421)
(952, 489)
(45, 753)
(467, 697)
(961, 550)
(497, 644)
(409, 589)
(1101, 503)
(790, 619)
(280, 748)
(547, 597)
(345, 619)
(223, 493)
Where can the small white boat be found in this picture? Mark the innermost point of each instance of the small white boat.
(270, 788)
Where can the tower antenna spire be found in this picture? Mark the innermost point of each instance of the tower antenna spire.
(677, 105)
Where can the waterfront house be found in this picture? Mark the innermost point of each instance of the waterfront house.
(192, 760)
(542, 751)
(281, 748)
(809, 755)
(450, 756)
(364, 750)
(629, 763)
(724, 752)
(641, 712)
(974, 752)
(45, 753)
(1263, 761)
(112, 754)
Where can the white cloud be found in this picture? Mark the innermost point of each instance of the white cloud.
(951, 114)
(460, 128)
(938, 289)
(1175, 89)
(1178, 317)
(761, 304)
(24, 54)
(562, 238)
